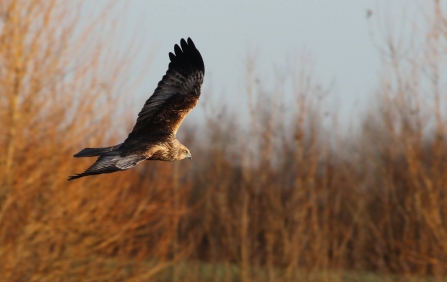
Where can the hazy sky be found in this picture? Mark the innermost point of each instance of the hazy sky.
(336, 34)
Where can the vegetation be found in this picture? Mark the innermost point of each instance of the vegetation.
(300, 202)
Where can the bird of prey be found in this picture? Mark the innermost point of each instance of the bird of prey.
(153, 136)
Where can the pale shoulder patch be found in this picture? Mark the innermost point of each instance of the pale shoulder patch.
(152, 150)
(129, 161)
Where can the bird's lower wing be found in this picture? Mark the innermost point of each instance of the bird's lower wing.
(110, 162)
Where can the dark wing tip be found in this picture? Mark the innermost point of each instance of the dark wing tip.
(187, 55)
(177, 50)
(183, 44)
(190, 42)
(76, 176)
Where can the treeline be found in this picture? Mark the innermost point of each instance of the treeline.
(278, 196)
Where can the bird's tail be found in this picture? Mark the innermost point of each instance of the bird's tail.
(110, 162)
(93, 152)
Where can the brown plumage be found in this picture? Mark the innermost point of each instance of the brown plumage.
(153, 136)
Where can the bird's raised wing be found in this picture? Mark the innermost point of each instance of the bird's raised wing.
(176, 95)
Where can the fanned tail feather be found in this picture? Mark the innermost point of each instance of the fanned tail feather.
(93, 152)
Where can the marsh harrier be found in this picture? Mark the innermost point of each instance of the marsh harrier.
(153, 136)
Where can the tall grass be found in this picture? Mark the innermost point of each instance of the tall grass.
(57, 71)
(280, 196)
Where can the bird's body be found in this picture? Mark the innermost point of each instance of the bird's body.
(154, 134)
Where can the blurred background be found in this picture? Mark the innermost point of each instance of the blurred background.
(319, 142)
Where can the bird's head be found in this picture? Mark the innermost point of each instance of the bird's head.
(183, 152)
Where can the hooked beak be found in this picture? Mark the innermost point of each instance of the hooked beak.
(189, 156)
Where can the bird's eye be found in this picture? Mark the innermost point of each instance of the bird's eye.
(186, 152)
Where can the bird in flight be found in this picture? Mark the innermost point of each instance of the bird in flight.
(153, 136)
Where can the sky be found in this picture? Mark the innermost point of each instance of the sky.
(337, 36)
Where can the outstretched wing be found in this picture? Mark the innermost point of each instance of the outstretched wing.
(176, 95)
(110, 162)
